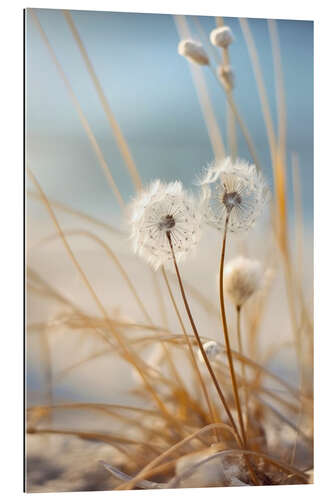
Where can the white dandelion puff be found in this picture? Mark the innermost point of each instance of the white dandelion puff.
(193, 51)
(212, 349)
(242, 278)
(233, 190)
(221, 37)
(160, 212)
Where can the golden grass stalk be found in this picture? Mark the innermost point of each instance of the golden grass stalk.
(80, 113)
(278, 163)
(119, 136)
(78, 213)
(219, 21)
(203, 96)
(261, 87)
(280, 94)
(241, 123)
(231, 125)
(116, 261)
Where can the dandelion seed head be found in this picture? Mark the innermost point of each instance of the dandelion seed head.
(160, 211)
(222, 37)
(242, 278)
(212, 349)
(233, 189)
(193, 51)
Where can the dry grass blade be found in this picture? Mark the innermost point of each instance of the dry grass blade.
(77, 213)
(280, 95)
(203, 96)
(121, 141)
(114, 258)
(261, 87)
(147, 485)
(80, 113)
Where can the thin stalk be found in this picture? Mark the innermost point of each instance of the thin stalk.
(240, 121)
(226, 338)
(207, 109)
(241, 352)
(261, 87)
(120, 139)
(166, 351)
(219, 21)
(82, 117)
(77, 213)
(202, 350)
(192, 356)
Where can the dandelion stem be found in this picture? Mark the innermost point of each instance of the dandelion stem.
(226, 337)
(202, 350)
(241, 352)
(192, 356)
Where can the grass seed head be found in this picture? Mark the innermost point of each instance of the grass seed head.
(222, 37)
(193, 51)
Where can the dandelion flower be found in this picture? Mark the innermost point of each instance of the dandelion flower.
(233, 190)
(212, 349)
(222, 37)
(193, 51)
(160, 212)
(242, 278)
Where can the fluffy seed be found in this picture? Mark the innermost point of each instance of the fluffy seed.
(160, 211)
(235, 190)
(212, 349)
(242, 278)
(193, 51)
(222, 37)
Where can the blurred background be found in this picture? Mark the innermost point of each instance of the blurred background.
(151, 93)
